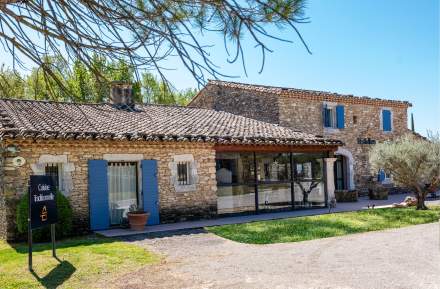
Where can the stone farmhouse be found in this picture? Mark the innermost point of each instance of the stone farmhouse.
(358, 122)
(178, 163)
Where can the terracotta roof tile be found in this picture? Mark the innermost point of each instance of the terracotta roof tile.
(44, 119)
(307, 94)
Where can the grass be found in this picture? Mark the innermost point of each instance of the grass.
(323, 226)
(81, 263)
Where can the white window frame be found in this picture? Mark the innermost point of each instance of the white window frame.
(65, 170)
(391, 120)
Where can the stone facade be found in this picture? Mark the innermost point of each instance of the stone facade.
(361, 121)
(302, 110)
(245, 103)
(173, 206)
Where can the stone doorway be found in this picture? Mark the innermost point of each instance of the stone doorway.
(340, 173)
(346, 162)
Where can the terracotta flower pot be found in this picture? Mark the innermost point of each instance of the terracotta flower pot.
(138, 220)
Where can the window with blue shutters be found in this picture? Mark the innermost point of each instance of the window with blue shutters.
(150, 190)
(333, 116)
(381, 175)
(98, 195)
(340, 116)
(327, 116)
(384, 176)
(386, 120)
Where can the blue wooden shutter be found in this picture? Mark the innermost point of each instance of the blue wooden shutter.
(98, 195)
(150, 190)
(340, 116)
(381, 175)
(325, 116)
(386, 120)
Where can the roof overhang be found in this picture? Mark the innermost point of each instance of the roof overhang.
(275, 148)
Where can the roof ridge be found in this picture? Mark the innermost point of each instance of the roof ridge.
(293, 89)
(50, 101)
(106, 103)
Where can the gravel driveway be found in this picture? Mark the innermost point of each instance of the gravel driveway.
(398, 258)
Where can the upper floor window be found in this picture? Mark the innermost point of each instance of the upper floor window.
(333, 116)
(384, 176)
(386, 120)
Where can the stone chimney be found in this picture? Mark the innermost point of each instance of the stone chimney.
(121, 95)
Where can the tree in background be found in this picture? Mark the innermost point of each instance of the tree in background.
(144, 33)
(157, 91)
(80, 84)
(413, 162)
(41, 86)
(11, 83)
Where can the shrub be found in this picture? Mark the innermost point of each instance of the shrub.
(63, 227)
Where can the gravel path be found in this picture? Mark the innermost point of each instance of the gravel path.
(398, 258)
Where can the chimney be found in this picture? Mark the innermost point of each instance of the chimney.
(121, 95)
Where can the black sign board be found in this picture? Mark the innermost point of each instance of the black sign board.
(42, 201)
(366, 141)
(42, 209)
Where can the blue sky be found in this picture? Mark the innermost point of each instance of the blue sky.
(386, 49)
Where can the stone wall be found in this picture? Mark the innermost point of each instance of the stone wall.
(174, 206)
(303, 112)
(245, 103)
(306, 116)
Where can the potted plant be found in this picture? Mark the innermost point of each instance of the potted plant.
(379, 192)
(137, 218)
(343, 196)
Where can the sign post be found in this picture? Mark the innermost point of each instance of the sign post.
(42, 209)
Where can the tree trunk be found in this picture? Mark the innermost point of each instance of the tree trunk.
(421, 201)
(305, 197)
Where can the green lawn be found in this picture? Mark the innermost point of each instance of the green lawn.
(323, 226)
(82, 262)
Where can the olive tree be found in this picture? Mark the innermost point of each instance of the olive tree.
(414, 162)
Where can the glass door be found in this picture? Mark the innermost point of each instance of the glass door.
(339, 171)
(122, 188)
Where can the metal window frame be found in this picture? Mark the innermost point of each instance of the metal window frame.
(59, 173)
(184, 171)
(256, 183)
